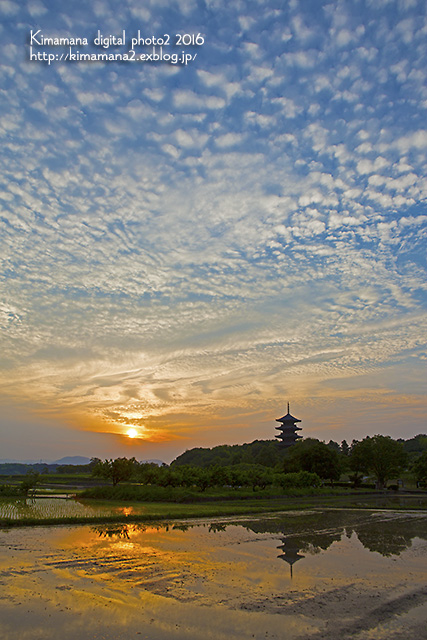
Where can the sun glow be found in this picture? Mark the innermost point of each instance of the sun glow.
(132, 433)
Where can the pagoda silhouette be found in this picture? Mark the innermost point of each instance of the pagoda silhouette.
(288, 430)
(291, 549)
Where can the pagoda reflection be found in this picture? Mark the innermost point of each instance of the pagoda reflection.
(290, 548)
(305, 533)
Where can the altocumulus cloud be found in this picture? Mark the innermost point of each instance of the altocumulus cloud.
(190, 246)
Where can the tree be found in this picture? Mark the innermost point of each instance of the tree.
(260, 476)
(29, 482)
(420, 469)
(93, 462)
(168, 477)
(148, 473)
(357, 463)
(334, 446)
(313, 456)
(203, 479)
(115, 470)
(380, 455)
(219, 476)
(345, 449)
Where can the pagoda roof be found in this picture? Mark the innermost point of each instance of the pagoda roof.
(288, 436)
(288, 429)
(288, 418)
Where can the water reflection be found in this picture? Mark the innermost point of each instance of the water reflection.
(385, 533)
(388, 540)
(353, 574)
(126, 531)
(308, 533)
(290, 553)
(113, 531)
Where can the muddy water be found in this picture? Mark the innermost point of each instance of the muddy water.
(303, 575)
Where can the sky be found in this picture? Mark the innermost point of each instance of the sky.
(189, 243)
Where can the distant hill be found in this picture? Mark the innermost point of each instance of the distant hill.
(65, 460)
(264, 452)
(78, 460)
(72, 460)
(13, 461)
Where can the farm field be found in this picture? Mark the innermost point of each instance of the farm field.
(71, 510)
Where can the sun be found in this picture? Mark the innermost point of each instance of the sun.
(132, 433)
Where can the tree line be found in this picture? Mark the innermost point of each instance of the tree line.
(307, 463)
(201, 478)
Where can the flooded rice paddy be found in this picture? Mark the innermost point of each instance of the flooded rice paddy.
(62, 507)
(335, 574)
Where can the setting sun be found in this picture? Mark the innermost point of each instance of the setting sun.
(132, 433)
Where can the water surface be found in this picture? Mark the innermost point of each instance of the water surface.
(323, 574)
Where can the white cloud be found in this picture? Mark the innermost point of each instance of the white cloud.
(155, 94)
(189, 100)
(229, 139)
(344, 37)
(140, 13)
(259, 74)
(415, 140)
(171, 150)
(8, 8)
(303, 59)
(260, 119)
(289, 107)
(188, 139)
(211, 79)
(369, 166)
(36, 8)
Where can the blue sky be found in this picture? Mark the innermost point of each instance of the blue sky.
(185, 248)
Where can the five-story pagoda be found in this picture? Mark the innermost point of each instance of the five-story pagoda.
(288, 430)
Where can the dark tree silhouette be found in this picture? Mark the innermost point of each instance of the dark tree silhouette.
(380, 455)
(115, 470)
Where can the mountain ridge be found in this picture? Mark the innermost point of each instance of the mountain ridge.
(71, 460)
